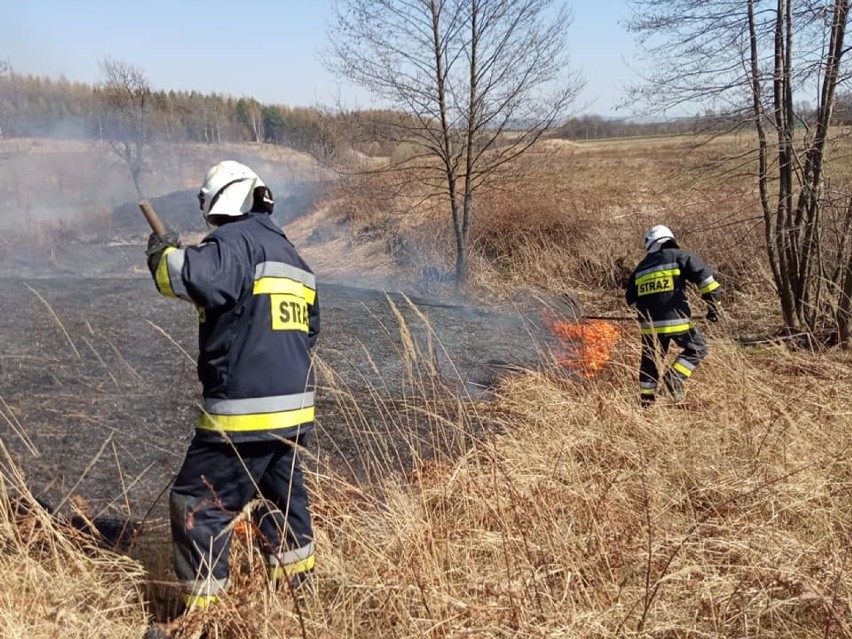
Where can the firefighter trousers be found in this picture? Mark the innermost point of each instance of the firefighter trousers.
(654, 349)
(216, 481)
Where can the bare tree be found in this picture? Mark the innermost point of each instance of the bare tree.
(11, 144)
(5, 68)
(125, 121)
(478, 82)
(747, 59)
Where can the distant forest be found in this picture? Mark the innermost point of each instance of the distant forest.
(36, 106)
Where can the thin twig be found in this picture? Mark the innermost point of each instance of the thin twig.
(172, 340)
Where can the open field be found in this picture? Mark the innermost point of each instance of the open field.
(453, 497)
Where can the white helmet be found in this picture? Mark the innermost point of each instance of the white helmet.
(230, 189)
(655, 238)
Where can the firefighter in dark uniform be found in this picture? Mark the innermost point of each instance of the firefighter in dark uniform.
(259, 317)
(657, 289)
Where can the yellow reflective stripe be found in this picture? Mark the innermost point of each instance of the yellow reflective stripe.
(663, 330)
(279, 572)
(256, 422)
(647, 391)
(657, 274)
(284, 286)
(164, 282)
(198, 601)
(683, 370)
(712, 286)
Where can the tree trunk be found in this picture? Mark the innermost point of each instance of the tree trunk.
(844, 310)
(461, 263)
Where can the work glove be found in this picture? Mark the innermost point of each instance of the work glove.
(156, 246)
(714, 313)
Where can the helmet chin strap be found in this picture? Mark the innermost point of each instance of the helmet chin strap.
(233, 199)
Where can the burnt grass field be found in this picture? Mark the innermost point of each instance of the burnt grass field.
(98, 386)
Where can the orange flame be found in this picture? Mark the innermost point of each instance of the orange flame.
(587, 345)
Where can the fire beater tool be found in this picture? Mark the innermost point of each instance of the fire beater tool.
(572, 307)
(611, 318)
(154, 220)
(159, 229)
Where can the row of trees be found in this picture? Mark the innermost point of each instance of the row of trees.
(38, 106)
(34, 106)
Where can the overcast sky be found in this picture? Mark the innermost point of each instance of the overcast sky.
(267, 49)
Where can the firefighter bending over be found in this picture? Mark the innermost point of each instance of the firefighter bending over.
(259, 317)
(657, 288)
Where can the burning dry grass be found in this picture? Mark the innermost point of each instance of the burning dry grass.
(560, 509)
(587, 517)
(589, 344)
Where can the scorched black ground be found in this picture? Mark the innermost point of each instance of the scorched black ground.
(98, 386)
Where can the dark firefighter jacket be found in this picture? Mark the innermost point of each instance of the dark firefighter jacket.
(658, 290)
(259, 316)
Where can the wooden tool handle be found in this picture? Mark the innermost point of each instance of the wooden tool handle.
(153, 219)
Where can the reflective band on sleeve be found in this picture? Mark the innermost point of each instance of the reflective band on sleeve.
(683, 367)
(263, 421)
(175, 260)
(256, 405)
(709, 285)
(168, 276)
(162, 276)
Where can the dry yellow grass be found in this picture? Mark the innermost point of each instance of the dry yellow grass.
(53, 582)
(584, 516)
(564, 510)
